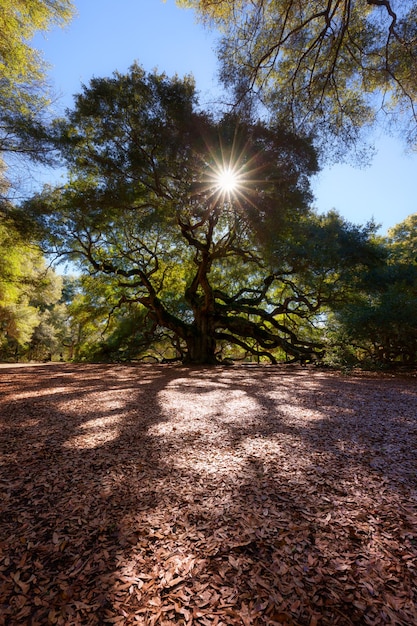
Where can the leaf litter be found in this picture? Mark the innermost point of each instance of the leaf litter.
(135, 494)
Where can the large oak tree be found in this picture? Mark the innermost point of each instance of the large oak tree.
(202, 222)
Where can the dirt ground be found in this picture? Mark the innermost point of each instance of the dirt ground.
(207, 496)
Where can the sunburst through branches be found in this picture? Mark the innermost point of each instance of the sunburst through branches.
(232, 178)
(227, 180)
(237, 171)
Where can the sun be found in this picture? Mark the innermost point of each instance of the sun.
(227, 180)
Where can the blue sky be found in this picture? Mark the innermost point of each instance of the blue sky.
(108, 35)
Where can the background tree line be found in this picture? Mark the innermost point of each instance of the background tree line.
(169, 263)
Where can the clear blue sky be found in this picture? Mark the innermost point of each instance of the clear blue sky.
(108, 36)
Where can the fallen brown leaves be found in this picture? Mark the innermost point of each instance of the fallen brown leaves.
(166, 495)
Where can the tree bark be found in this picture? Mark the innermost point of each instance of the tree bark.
(201, 344)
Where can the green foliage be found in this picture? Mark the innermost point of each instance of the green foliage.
(173, 258)
(379, 323)
(23, 92)
(20, 20)
(97, 325)
(402, 241)
(327, 66)
(28, 289)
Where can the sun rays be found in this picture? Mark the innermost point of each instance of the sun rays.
(228, 180)
(232, 177)
(234, 174)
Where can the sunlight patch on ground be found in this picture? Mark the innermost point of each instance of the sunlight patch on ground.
(24, 395)
(96, 432)
(92, 403)
(276, 444)
(30, 423)
(212, 413)
(101, 422)
(208, 461)
(224, 405)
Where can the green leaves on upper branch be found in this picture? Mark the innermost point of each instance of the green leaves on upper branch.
(326, 67)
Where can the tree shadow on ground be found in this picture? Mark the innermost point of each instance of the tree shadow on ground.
(162, 495)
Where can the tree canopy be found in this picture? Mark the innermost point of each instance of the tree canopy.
(331, 66)
(20, 19)
(203, 223)
(23, 92)
(193, 232)
(28, 289)
(377, 325)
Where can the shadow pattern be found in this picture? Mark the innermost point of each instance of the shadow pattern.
(173, 495)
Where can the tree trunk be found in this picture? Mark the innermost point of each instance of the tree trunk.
(201, 344)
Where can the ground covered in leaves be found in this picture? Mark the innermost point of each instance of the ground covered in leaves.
(207, 496)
